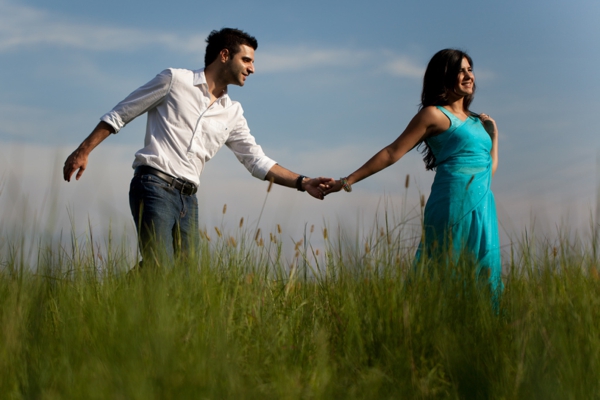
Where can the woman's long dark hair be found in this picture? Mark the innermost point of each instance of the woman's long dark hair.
(440, 79)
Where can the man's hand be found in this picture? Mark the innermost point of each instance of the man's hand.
(316, 187)
(76, 161)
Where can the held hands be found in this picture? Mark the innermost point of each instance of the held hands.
(336, 186)
(317, 187)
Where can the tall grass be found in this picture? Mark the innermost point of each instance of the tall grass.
(242, 320)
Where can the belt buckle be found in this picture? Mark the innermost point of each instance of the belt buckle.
(186, 187)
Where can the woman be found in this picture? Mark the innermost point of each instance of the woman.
(462, 147)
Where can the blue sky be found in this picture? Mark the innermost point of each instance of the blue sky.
(335, 82)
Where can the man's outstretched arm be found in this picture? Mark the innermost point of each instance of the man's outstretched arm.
(285, 177)
(78, 159)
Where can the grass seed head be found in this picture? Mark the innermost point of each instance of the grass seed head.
(241, 222)
(257, 235)
(279, 229)
(325, 233)
(218, 231)
(224, 208)
(407, 182)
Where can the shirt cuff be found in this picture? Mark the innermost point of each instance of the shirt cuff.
(262, 167)
(114, 120)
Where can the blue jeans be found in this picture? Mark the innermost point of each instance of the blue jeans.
(166, 220)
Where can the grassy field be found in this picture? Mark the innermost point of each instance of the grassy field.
(351, 320)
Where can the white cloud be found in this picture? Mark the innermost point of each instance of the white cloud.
(300, 58)
(22, 122)
(22, 26)
(404, 67)
(484, 74)
(303, 57)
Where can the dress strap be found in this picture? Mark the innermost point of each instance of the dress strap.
(454, 120)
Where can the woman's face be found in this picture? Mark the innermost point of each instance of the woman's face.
(465, 80)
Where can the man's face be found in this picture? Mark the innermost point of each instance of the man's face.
(240, 66)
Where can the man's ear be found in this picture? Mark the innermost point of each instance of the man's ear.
(224, 55)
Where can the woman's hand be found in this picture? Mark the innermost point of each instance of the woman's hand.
(489, 124)
(336, 186)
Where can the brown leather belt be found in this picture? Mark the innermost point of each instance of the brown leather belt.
(185, 187)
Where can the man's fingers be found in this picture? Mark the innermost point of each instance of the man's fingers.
(75, 162)
(67, 172)
(79, 173)
(315, 192)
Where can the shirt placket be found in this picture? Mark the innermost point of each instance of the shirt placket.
(190, 153)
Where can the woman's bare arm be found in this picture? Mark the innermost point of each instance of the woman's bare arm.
(428, 121)
(492, 129)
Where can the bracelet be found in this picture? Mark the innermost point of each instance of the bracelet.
(346, 185)
(299, 183)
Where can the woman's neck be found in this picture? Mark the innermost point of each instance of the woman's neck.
(457, 106)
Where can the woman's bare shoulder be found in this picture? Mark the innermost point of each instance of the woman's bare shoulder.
(433, 119)
(430, 112)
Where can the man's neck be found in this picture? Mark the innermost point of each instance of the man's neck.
(216, 87)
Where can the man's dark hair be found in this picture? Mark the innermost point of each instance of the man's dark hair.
(226, 38)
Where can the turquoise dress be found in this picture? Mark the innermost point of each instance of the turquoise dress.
(461, 213)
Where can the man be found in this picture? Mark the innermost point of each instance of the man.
(190, 117)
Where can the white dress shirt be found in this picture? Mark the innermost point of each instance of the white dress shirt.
(183, 132)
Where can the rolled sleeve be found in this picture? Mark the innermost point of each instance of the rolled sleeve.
(248, 152)
(262, 167)
(139, 101)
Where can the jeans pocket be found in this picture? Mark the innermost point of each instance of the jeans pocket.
(150, 182)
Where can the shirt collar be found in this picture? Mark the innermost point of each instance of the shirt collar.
(200, 79)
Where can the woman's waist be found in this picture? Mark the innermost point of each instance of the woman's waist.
(465, 164)
(463, 175)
